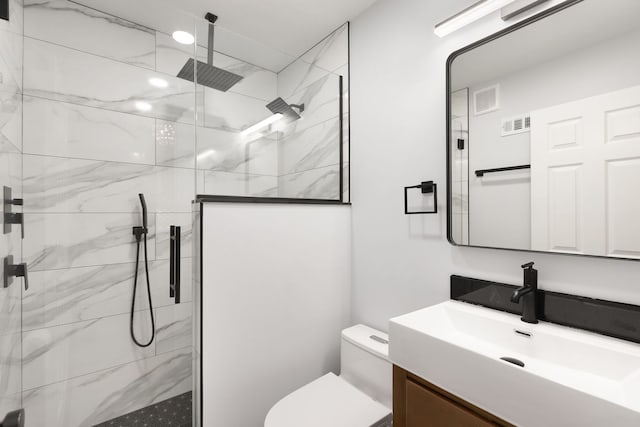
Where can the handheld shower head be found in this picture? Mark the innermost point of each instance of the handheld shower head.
(144, 211)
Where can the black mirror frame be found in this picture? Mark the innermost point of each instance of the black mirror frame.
(530, 20)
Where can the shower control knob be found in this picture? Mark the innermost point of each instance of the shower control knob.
(12, 270)
(13, 419)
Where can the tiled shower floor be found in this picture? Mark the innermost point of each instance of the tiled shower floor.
(174, 412)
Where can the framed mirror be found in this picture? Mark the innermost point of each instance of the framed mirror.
(543, 141)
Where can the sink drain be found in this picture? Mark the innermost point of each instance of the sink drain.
(513, 360)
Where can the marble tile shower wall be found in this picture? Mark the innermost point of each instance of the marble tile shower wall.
(96, 133)
(309, 149)
(10, 175)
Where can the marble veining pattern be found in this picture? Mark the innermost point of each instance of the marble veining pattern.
(60, 352)
(225, 151)
(61, 129)
(59, 73)
(97, 397)
(233, 184)
(57, 241)
(310, 148)
(321, 100)
(89, 30)
(174, 327)
(325, 58)
(257, 82)
(322, 183)
(83, 89)
(10, 61)
(231, 111)
(10, 175)
(11, 121)
(332, 52)
(58, 297)
(53, 184)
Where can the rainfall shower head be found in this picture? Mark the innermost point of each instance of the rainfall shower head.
(279, 105)
(206, 74)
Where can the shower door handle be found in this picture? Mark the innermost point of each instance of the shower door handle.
(174, 263)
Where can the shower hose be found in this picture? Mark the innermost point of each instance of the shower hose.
(142, 232)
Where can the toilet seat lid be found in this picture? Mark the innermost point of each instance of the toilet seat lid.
(327, 401)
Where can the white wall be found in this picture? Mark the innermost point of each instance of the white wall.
(401, 263)
(275, 298)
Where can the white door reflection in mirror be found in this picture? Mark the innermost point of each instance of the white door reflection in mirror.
(585, 170)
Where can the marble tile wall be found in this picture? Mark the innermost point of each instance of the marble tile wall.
(309, 154)
(228, 163)
(10, 175)
(95, 134)
(83, 135)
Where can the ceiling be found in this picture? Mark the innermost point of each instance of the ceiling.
(281, 29)
(580, 26)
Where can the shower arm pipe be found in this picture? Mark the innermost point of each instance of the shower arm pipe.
(298, 106)
(212, 20)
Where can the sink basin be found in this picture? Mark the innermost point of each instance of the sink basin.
(570, 377)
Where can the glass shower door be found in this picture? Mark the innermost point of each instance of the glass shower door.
(105, 119)
(11, 287)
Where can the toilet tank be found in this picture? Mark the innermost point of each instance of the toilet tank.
(364, 361)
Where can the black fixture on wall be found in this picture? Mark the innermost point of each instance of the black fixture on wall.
(448, 83)
(613, 319)
(4, 9)
(141, 232)
(174, 263)
(9, 217)
(426, 187)
(481, 172)
(206, 73)
(12, 270)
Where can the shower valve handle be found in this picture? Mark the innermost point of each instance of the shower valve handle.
(12, 270)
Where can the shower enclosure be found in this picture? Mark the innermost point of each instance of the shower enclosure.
(92, 114)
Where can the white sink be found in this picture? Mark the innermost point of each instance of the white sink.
(570, 377)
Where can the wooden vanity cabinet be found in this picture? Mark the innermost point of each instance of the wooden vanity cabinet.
(417, 403)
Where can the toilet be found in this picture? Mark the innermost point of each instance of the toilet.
(359, 397)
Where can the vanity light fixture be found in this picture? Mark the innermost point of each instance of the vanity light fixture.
(183, 37)
(264, 123)
(158, 82)
(467, 16)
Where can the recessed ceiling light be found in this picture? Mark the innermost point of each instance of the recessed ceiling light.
(158, 82)
(143, 106)
(183, 37)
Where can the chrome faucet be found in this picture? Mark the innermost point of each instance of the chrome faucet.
(528, 293)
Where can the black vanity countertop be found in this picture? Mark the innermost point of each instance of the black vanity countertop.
(609, 318)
